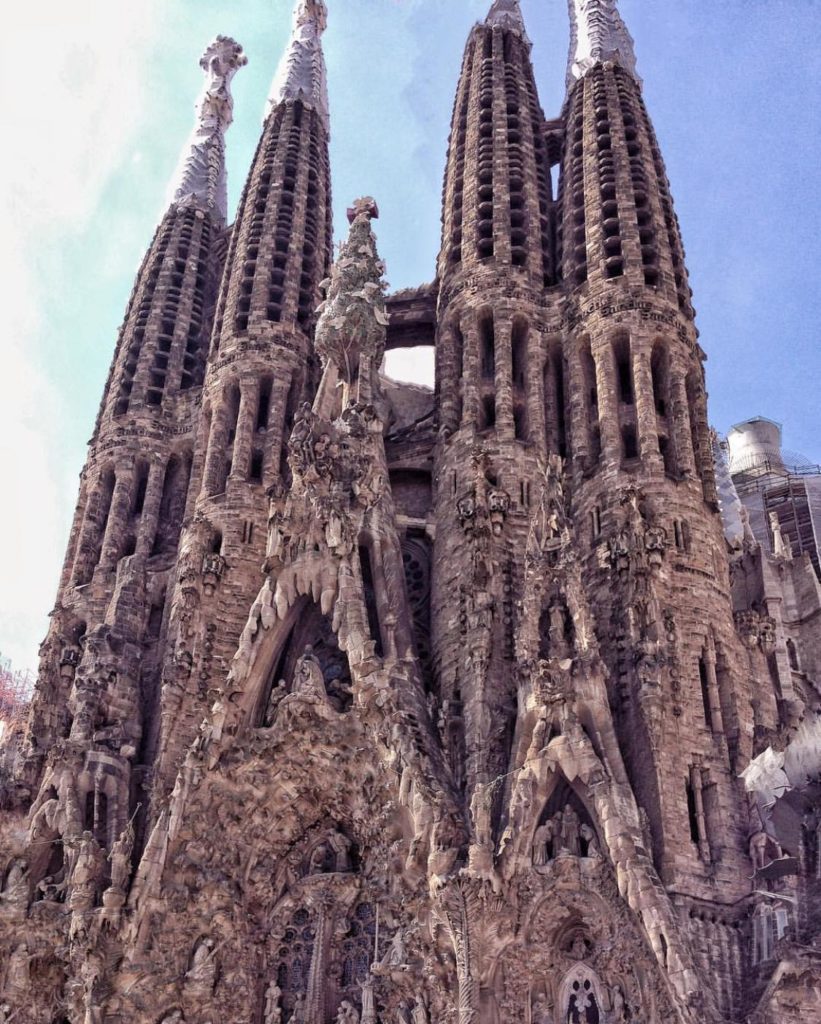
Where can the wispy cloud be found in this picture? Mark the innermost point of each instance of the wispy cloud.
(72, 102)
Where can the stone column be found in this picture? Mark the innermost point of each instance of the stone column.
(579, 442)
(118, 516)
(217, 444)
(535, 390)
(680, 421)
(503, 331)
(648, 436)
(472, 370)
(713, 694)
(151, 508)
(276, 440)
(246, 421)
(697, 782)
(318, 973)
(608, 402)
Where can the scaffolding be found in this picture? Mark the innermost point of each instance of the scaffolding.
(16, 688)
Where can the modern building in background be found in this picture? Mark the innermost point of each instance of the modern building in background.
(368, 702)
(780, 490)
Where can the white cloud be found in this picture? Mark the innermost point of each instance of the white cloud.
(72, 82)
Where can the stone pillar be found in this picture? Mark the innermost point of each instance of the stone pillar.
(579, 444)
(503, 331)
(697, 783)
(246, 421)
(118, 516)
(151, 508)
(276, 439)
(217, 444)
(608, 402)
(680, 420)
(535, 390)
(318, 973)
(472, 371)
(713, 694)
(648, 436)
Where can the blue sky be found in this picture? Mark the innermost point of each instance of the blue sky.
(97, 99)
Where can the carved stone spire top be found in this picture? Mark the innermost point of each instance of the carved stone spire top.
(506, 14)
(200, 179)
(597, 33)
(301, 74)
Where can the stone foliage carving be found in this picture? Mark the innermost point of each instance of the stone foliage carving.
(351, 330)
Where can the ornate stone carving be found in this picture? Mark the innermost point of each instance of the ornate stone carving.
(301, 74)
(507, 14)
(597, 34)
(201, 180)
(351, 330)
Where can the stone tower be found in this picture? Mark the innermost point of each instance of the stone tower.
(365, 702)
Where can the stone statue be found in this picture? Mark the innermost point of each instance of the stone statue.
(589, 836)
(298, 1016)
(570, 831)
(16, 892)
(17, 975)
(396, 956)
(542, 843)
(120, 858)
(87, 873)
(619, 1006)
(273, 1008)
(309, 681)
(419, 1013)
(481, 807)
(541, 1010)
(368, 1002)
(347, 1014)
(341, 847)
(202, 974)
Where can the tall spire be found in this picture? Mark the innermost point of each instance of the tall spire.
(506, 14)
(301, 74)
(597, 33)
(200, 179)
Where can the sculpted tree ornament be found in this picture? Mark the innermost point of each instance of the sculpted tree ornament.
(351, 330)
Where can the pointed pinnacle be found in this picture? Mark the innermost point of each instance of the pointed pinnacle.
(597, 34)
(301, 74)
(200, 178)
(506, 14)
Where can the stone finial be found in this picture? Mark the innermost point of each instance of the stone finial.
(301, 74)
(200, 180)
(597, 33)
(351, 330)
(506, 14)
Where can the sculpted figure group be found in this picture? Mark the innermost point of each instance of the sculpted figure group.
(564, 835)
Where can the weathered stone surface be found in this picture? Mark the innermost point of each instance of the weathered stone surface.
(362, 702)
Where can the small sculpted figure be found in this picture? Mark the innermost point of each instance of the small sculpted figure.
(419, 1014)
(120, 858)
(347, 1014)
(543, 842)
(273, 1008)
(16, 892)
(570, 831)
(589, 836)
(201, 976)
(298, 1016)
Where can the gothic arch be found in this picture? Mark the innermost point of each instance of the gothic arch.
(581, 997)
(281, 647)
